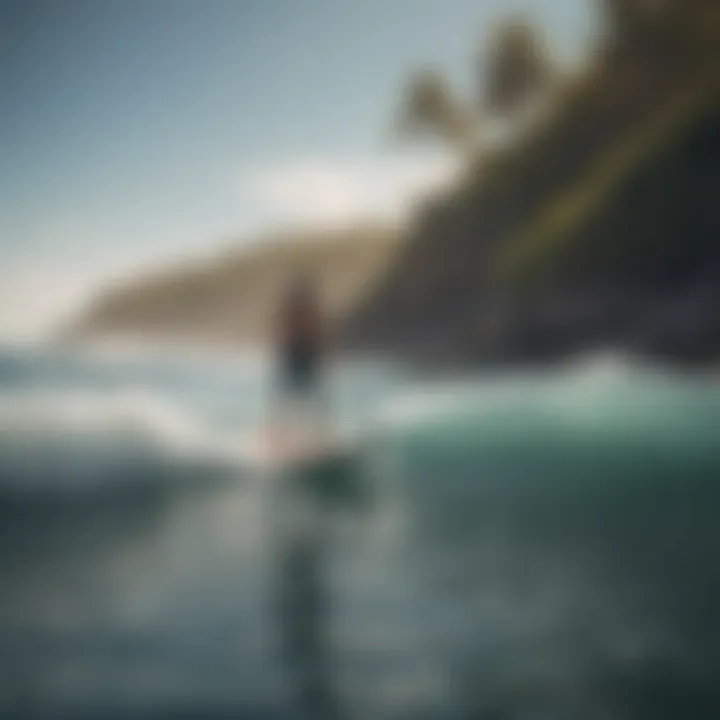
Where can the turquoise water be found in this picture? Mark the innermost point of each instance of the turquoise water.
(528, 545)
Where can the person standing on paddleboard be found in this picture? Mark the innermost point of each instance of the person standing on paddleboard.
(301, 338)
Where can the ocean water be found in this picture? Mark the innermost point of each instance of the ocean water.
(516, 546)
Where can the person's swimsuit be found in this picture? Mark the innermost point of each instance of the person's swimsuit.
(300, 366)
(301, 398)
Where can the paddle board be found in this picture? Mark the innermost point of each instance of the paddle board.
(329, 467)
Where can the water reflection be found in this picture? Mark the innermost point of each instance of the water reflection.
(306, 539)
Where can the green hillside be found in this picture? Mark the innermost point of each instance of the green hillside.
(598, 228)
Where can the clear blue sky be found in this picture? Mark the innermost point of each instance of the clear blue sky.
(130, 129)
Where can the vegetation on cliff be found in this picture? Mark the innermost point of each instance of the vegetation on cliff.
(596, 226)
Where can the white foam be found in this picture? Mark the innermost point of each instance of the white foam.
(578, 391)
(131, 417)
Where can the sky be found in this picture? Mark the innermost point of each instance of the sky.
(134, 132)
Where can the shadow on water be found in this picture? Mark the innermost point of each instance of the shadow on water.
(309, 499)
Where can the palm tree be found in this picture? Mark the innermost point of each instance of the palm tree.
(431, 109)
(518, 67)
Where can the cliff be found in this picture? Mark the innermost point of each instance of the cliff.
(231, 299)
(598, 229)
